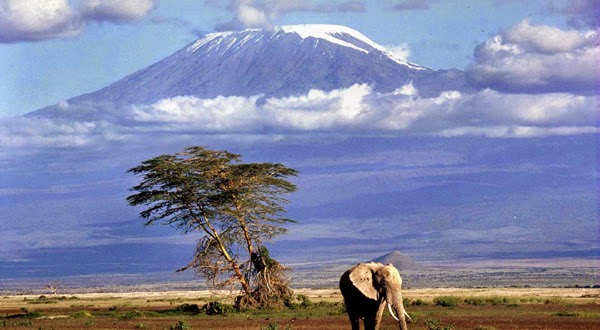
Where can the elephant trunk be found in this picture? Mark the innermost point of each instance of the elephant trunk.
(396, 307)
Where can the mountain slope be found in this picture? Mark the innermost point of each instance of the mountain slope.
(287, 61)
(400, 261)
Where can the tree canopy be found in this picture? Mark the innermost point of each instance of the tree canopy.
(235, 208)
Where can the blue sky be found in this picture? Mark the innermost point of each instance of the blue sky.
(42, 65)
(498, 173)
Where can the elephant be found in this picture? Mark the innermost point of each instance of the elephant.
(367, 288)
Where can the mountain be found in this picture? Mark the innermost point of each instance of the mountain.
(400, 261)
(284, 61)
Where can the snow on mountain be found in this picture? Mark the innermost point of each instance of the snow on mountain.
(334, 34)
(284, 61)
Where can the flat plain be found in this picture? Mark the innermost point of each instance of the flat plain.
(430, 308)
(532, 297)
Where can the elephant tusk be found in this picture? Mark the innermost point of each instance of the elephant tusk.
(408, 316)
(392, 312)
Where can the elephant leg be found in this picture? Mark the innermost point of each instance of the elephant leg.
(354, 316)
(379, 314)
(369, 323)
(355, 323)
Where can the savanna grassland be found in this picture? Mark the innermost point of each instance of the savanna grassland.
(437, 309)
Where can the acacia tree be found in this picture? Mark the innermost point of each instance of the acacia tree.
(234, 207)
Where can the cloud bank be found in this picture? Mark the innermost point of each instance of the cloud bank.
(34, 20)
(360, 110)
(117, 11)
(357, 110)
(538, 59)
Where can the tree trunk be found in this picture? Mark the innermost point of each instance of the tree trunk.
(228, 258)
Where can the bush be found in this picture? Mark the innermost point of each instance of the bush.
(129, 315)
(475, 301)
(304, 301)
(569, 314)
(30, 314)
(271, 326)
(435, 325)
(217, 308)
(188, 308)
(275, 326)
(7, 323)
(491, 300)
(180, 325)
(446, 301)
(555, 301)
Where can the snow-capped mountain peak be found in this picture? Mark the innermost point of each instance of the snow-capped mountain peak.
(329, 33)
(279, 62)
(334, 34)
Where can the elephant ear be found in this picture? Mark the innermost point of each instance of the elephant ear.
(362, 278)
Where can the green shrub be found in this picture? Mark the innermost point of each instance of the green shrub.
(435, 325)
(577, 314)
(446, 301)
(475, 301)
(555, 301)
(180, 325)
(7, 323)
(188, 308)
(491, 300)
(304, 301)
(569, 314)
(30, 314)
(271, 326)
(275, 326)
(129, 315)
(217, 308)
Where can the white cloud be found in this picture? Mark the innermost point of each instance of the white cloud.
(538, 59)
(357, 110)
(33, 20)
(221, 114)
(250, 16)
(117, 11)
(360, 110)
(401, 52)
(545, 39)
(263, 13)
(36, 20)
